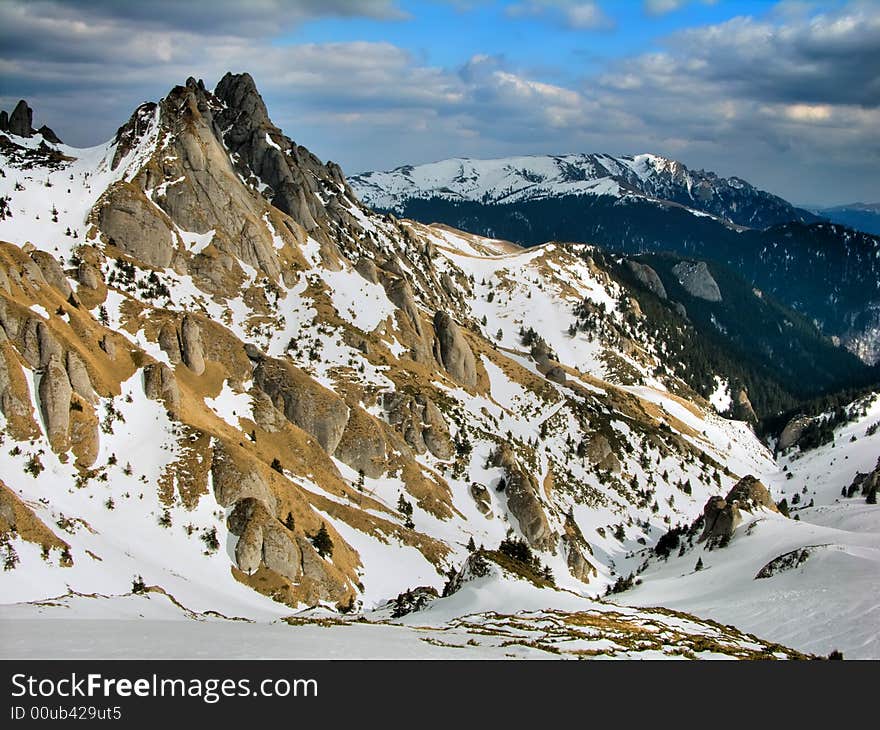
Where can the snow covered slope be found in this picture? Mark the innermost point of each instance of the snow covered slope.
(222, 376)
(529, 178)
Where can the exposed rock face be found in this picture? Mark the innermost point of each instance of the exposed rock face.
(191, 345)
(647, 277)
(401, 295)
(160, 384)
(55, 394)
(482, 499)
(21, 121)
(522, 499)
(366, 268)
(309, 405)
(38, 345)
(79, 377)
(576, 550)
(697, 280)
(792, 432)
(742, 408)
(720, 520)
(292, 173)
(88, 275)
(362, 446)
(234, 482)
(133, 224)
(420, 423)
(750, 493)
(52, 272)
(722, 515)
(865, 483)
(15, 403)
(601, 455)
(262, 540)
(453, 352)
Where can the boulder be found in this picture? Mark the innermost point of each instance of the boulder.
(792, 432)
(742, 408)
(305, 403)
(720, 519)
(526, 507)
(401, 295)
(367, 269)
(89, 275)
(750, 493)
(436, 432)
(262, 540)
(453, 352)
(601, 455)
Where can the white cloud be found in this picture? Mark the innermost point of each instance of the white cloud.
(574, 14)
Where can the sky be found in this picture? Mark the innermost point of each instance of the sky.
(783, 94)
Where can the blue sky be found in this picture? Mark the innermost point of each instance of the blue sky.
(784, 94)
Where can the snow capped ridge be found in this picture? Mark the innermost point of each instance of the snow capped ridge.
(518, 179)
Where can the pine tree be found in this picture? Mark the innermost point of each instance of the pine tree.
(288, 521)
(471, 546)
(872, 496)
(322, 542)
(699, 565)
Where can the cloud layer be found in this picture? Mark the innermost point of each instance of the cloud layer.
(789, 101)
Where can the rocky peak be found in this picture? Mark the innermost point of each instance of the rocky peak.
(21, 120)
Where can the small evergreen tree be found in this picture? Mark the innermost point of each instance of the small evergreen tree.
(699, 565)
(322, 542)
(872, 496)
(471, 546)
(138, 585)
(277, 466)
(288, 521)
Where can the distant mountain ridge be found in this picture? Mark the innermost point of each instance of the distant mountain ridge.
(528, 178)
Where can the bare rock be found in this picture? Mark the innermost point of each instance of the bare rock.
(436, 432)
(647, 277)
(79, 377)
(792, 432)
(262, 540)
(52, 272)
(401, 295)
(362, 446)
(161, 385)
(697, 280)
(235, 480)
(55, 394)
(169, 341)
(526, 507)
(136, 226)
(750, 493)
(482, 499)
(453, 351)
(307, 404)
(21, 121)
(720, 519)
(601, 455)
(367, 269)
(89, 275)
(191, 345)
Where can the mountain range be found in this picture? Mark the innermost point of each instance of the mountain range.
(827, 272)
(244, 414)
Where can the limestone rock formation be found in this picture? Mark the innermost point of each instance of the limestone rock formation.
(307, 404)
(160, 384)
(420, 422)
(362, 445)
(647, 277)
(55, 394)
(453, 351)
(482, 499)
(21, 121)
(234, 479)
(262, 540)
(697, 280)
(792, 432)
(191, 345)
(722, 515)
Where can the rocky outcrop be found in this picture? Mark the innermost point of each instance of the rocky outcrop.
(742, 408)
(362, 445)
(647, 277)
(55, 394)
(52, 272)
(234, 480)
(722, 515)
(161, 385)
(401, 295)
(750, 493)
(697, 280)
(482, 499)
(21, 121)
(262, 540)
(576, 549)
(792, 432)
(133, 224)
(453, 352)
(307, 404)
(191, 345)
(15, 401)
(720, 519)
(420, 422)
(79, 377)
(37, 343)
(600, 454)
(523, 500)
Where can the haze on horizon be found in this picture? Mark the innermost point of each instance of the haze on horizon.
(784, 94)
